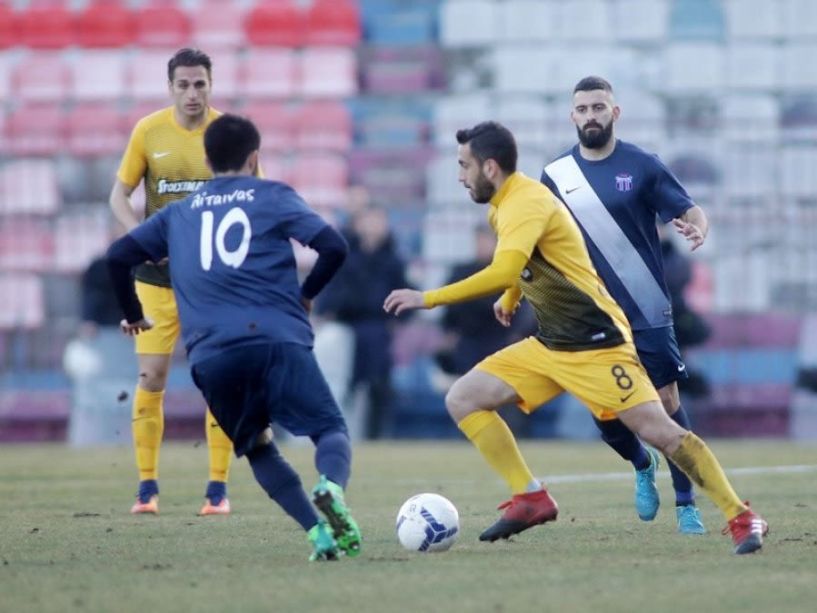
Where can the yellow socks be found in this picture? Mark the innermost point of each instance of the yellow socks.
(701, 465)
(220, 449)
(494, 440)
(148, 426)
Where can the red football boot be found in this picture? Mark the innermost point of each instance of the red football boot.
(748, 530)
(523, 511)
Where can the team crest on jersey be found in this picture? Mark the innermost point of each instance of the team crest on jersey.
(624, 182)
(527, 275)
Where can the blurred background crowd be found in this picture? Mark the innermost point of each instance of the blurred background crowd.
(358, 102)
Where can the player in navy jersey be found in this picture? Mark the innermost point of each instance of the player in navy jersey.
(615, 190)
(245, 321)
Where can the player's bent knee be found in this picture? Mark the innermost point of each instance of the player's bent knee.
(460, 402)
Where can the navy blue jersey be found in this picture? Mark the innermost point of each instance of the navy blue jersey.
(231, 262)
(616, 201)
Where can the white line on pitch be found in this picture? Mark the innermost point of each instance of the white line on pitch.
(748, 470)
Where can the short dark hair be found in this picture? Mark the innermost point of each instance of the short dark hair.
(189, 57)
(589, 84)
(229, 140)
(491, 140)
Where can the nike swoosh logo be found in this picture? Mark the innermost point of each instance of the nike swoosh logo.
(624, 398)
(156, 156)
(570, 191)
(682, 368)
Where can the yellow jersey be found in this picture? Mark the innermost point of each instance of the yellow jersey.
(573, 309)
(171, 161)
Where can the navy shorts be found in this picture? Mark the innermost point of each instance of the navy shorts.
(658, 351)
(249, 387)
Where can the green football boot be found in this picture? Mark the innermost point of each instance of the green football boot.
(324, 546)
(328, 497)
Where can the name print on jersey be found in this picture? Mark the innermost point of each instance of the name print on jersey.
(237, 195)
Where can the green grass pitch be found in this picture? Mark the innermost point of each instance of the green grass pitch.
(67, 542)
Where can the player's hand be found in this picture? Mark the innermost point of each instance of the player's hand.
(502, 316)
(136, 327)
(307, 304)
(691, 232)
(401, 300)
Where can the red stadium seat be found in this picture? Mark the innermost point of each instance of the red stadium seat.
(324, 125)
(79, 238)
(161, 23)
(47, 25)
(96, 129)
(99, 75)
(275, 23)
(275, 123)
(42, 76)
(269, 73)
(36, 130)
(23, 301)
(9, 29)
(328, 72)
(26, 244)
(105, 23)
(218, 24)
(321, 179)
(333, 22)
(29, 186)
(148, 74)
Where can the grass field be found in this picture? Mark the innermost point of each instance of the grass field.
(67, 542)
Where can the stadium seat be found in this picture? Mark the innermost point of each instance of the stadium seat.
(9, 28)
(99, 75)
(694, 67)
(751, 118)
(275, 123)
(333, 22)
(584, 20)
(226, 76)
(753, 19)
(47, 25)
(457, 111)
(401, 70)
(797, 176)
(393, 22)
(750, 172)
(7, 61)
(526, 21)
(105, 23)
(328, 72)
(600, 59)
(323, 125)
(697, 20)
(390, 124)
(443, 188)
(640, 21)
(800, 19)
(525, 68)
(274, 165)
(752, 66)
(36, 130)
(800, 76)
(448, 235)
(272, 23)
(161, 23)
(78, 238)
(269, 73)
(798, 118)
(41, 76)
(26, 244)
(29, 186)
(148, 74)
(218, 25)
(526, 117)
(468, 23)
(643, 120)
(96, 129)
(321, 179)
(23, 304)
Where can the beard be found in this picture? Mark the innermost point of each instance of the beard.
(597, 138)
(482, 190)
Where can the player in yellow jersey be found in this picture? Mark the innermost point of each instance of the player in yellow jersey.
(166, 151)
(583, 345)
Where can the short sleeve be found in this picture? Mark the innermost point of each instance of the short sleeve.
(134, 162)
(152, 234)
(668, 197)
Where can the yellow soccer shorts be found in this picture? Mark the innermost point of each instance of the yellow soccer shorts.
(608, 380)
(158, 305)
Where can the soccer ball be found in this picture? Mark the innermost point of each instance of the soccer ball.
(427, 522)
